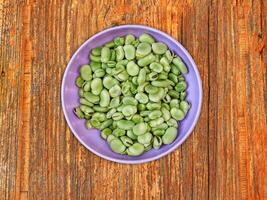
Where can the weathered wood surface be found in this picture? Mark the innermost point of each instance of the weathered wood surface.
(224, 158)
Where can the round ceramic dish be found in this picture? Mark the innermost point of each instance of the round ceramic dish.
(91, 138)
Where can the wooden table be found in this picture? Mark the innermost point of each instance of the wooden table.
(224, 158)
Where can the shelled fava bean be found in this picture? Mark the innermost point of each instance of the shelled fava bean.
(134, 91)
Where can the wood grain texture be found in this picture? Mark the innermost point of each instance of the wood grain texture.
(224, 158)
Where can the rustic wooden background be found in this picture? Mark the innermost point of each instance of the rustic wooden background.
(224, 158)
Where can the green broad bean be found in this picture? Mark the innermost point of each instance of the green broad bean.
(123, 76)
(109, 82)
(132, 68)
(145, 138)
(175, 70)
(87, 86)
(180, 65)
(181, 86)
(110, 113)
(88, 124)
(131, 135)
(141, 97)
(129, 101)
(127, 141)
(125, 124)
(110, 138)
(86, 72)
(99, 116)
(95, 58)
(110, 44)
(96, 51)
(156, 97)
(135, 150)
(146, 38)
(83, 101)
(136, 118)
(126, 90)
(134, 80)
(161, 83)
(156, 67)
(143, 49)
(159, 48)
(153, 106)
(169, 136)
(141, 77)
(146, 119)
(180, 78)
(77, 111)
(117, 116)
(157, 142)
(113, 125)
(165, 114)
(105, 133)
(96, 86)
(91, 97)
(129, 51)
(147, 148)
(115, 102)
(95, 123)
(167, 98)
(117, 146)
(140, 129)
(120, 107)
(86, 109)
(104, 98)
(174, 103)
(146, 60)
(81, 92)
(112, 55)
(129, 110)
(169, 55)
(184, 106)
(155, 114)
(156, 122)
(95, 66)
(174, 94)
(118, 132)
(100, 109)
(110, 63)
(141, 87)
(177, 114)
(115, 91)
(105, 54)
(128, 117)
(141, 107)
(151, 89)
(129, 39)
(79, 81)
(182, 95)
(118, 41)
(163, 76)
(173, 77)
(123, 62)
(152, 76)
(119, 53)
(106, 124)
(161, 126)
(99, 73)
(158, 132)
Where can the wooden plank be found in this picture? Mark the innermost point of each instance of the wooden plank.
(223, 159)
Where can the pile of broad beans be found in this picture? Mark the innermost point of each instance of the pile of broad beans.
(133, 90)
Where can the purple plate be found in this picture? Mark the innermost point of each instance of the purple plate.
(91, 138)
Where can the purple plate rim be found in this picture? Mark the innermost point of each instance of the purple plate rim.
(189, 130)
